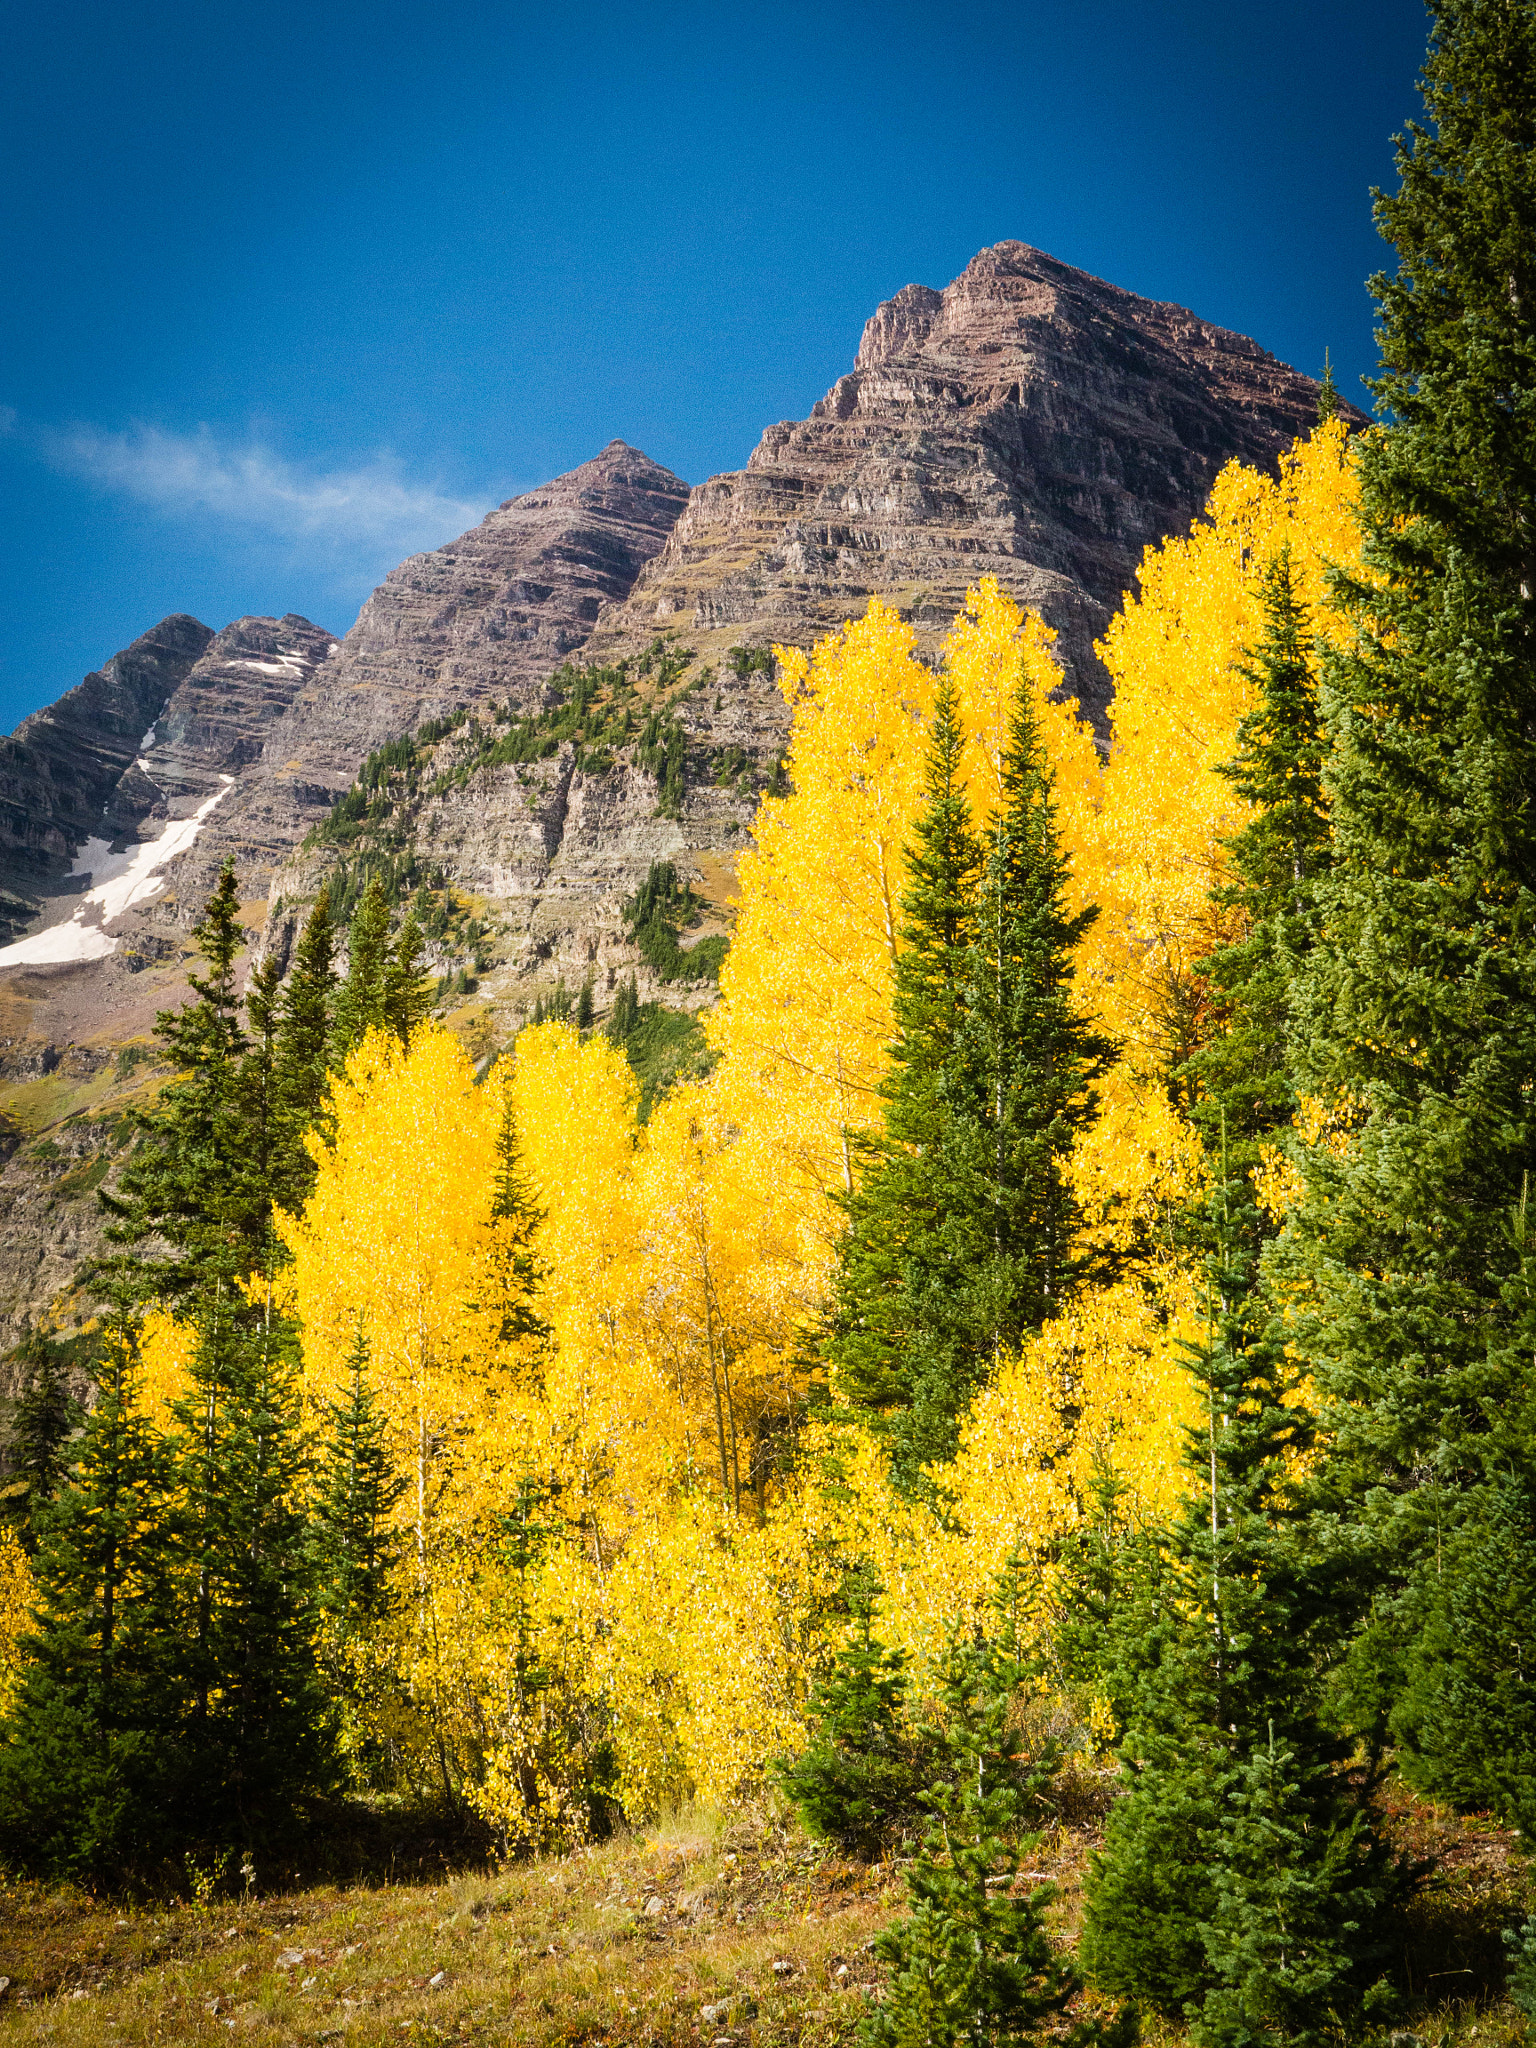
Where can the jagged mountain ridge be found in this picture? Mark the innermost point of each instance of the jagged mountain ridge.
(287, 714)
(484, 619)
(1028, 421)
(61, 768)
(199, 741)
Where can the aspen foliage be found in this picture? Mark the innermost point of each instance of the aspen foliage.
(16, 1597)
(167, 1347)
(619, 1544)
(1153, 846)
(1151, 852)
(805, 1018)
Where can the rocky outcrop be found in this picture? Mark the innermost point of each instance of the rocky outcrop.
(484, 619)
(219, 718)
(61, 767)
(215, 732)
(493, 613)
(1028, 422)
(199, 737)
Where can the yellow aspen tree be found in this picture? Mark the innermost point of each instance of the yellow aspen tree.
(1150, 851)
(708, 1649)
(1177, 653)
(17, 1594)
(727, 1287)
(396, 1243)
(992, 645)
(806, 1011)
(611, 1420)
(166, 1351)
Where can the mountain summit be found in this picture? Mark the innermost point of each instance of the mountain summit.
(1028, 422)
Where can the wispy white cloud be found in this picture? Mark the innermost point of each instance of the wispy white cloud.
(367, 509)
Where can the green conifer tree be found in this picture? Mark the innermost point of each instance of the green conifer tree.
(626, 1011)
(1328, 403)
(584, 1006)
(361, 998)
(46, 1417)
(859, 1780)
(195, 1180)
(258, 1732)
(259, 1106)
(1414, 1016)
(962, 1229)
(1028, 1059)
(1241, 1085)
(971, 1963)
(354, 1549)
(385, 987)
(407, 991)
(302, 1065)
(91, 1763)
(520, 1272)
(1242, 1885)
(353, 1540)
(901, 1338)
(1464, 1718)
(1107, 1588)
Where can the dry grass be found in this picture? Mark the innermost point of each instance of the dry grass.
(697, 1932)
(691, 1933)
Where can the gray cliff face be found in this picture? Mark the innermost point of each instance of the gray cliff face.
(549, 849)
(61, 767)
(213, 735)
(483, 619)
(1028, 422)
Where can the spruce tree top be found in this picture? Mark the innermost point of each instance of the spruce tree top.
(1327, 394)
(1458, 344)
(938, 907)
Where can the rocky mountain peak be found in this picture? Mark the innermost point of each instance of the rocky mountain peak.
(902, 323)
(61, 767)
(1029, 421)
(617, 475)
(502, 605)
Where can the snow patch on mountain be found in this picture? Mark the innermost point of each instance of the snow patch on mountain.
(120, 881)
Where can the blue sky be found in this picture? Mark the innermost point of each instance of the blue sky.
(292, 291)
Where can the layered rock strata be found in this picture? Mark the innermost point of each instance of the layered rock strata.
(1028, 422)
(482, 620)
(61, 767)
